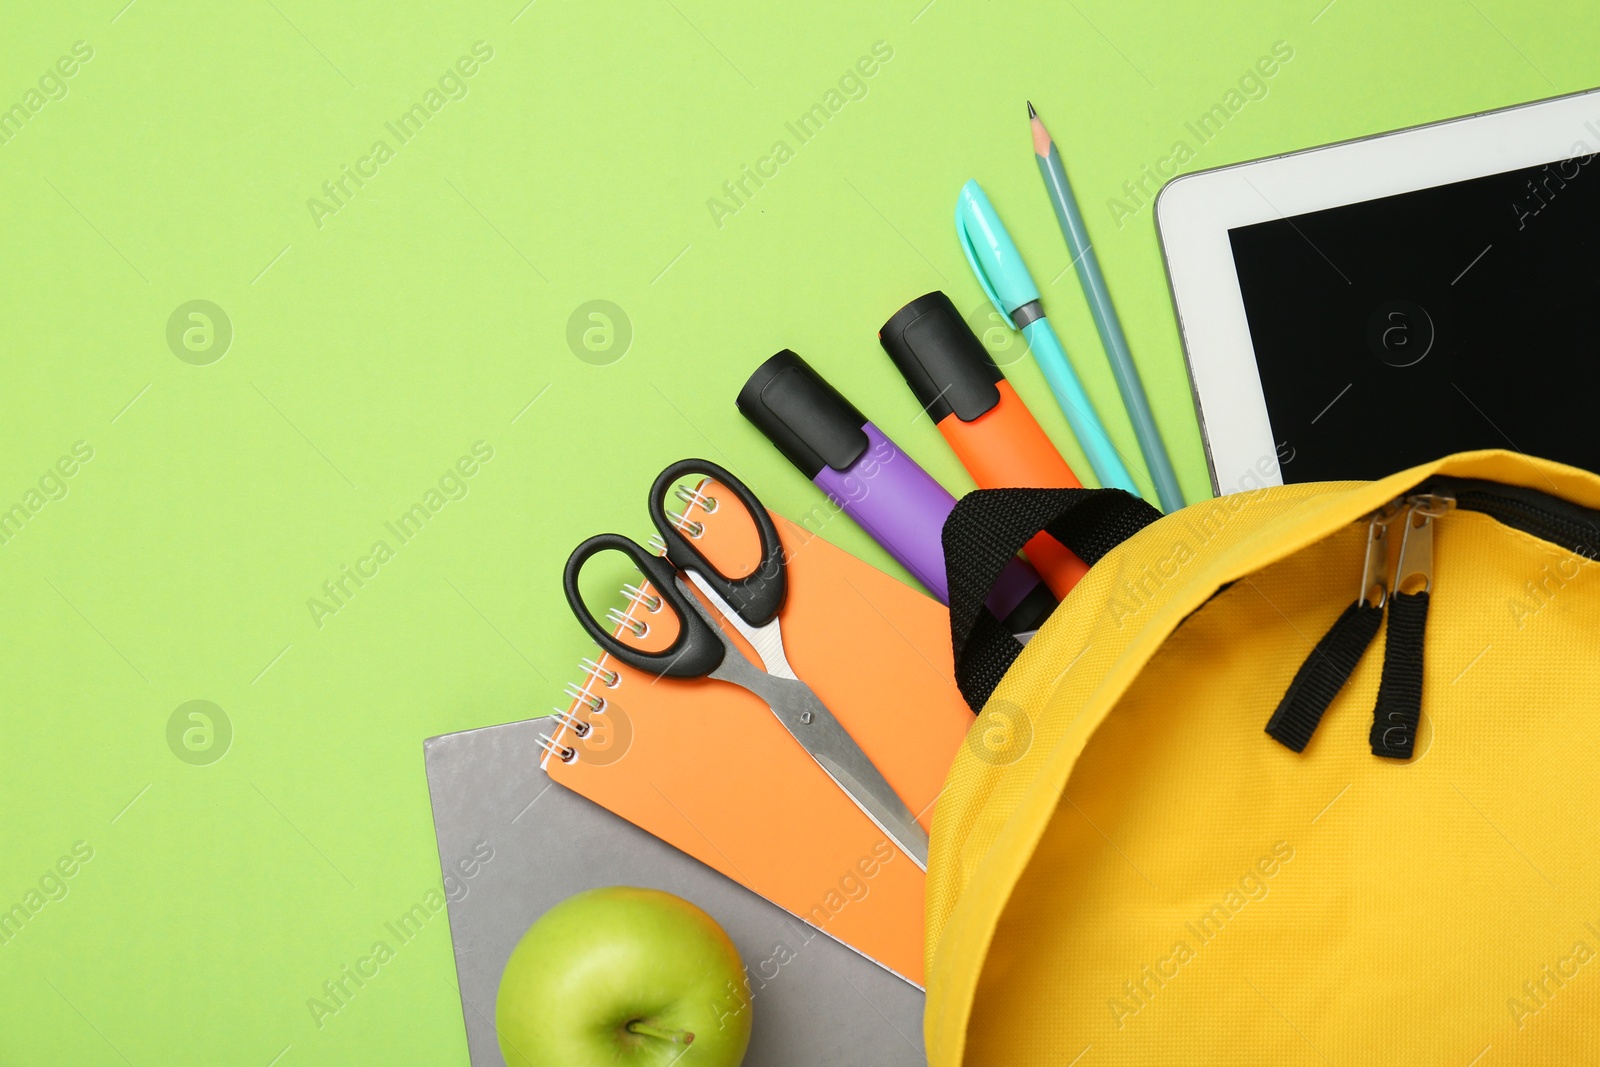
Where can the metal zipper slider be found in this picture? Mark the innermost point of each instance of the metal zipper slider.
(1398, 711)
(1375, 570)
(1414, 569)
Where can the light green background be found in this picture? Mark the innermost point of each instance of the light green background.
(371, 352)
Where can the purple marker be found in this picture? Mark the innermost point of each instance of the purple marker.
(874, 481)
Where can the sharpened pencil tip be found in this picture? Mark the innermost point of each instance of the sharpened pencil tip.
(1041, 136)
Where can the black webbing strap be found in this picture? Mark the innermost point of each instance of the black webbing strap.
(989, 527)
(1323, 674)
(1399, 707)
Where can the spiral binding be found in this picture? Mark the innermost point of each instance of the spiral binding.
(641, 598)
(581, 695)
(560, 752)
(638, 627)
(695, 498)
(571, 722)
(608, 678)
(596, 675)
(687, 525)
(638, 595)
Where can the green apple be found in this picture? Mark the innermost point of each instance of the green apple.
(624, 977)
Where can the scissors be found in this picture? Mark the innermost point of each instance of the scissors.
(703, 649)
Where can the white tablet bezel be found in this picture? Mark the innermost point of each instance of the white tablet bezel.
(1195, 212)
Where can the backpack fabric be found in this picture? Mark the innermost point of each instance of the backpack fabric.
(1127, 867)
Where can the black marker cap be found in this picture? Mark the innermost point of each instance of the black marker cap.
(942, 360)
(808, 419)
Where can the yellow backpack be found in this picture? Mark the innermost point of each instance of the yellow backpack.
(1248, 799)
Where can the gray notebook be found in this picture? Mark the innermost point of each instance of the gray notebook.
(814, 1000)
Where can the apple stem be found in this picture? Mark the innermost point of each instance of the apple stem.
(679, 1037)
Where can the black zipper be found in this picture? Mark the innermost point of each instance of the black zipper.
(1408, 521)
(1549, 518)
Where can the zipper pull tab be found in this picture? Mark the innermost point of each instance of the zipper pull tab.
(1375, 570)
(1414, 570)
(1335, 657)
(1398, 710)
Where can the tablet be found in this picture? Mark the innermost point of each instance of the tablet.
(1352, 310)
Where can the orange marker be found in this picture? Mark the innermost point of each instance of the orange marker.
(991, 430)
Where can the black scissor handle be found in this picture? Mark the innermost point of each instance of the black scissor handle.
(759, 595)
(694, 653)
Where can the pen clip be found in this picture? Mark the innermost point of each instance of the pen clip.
(993, 254)
(971, 251)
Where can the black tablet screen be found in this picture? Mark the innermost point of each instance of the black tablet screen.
(1395, 331)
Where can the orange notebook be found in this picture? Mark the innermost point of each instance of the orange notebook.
(705, 765)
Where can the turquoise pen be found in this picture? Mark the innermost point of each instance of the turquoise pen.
(1009, 286)
(1105, 316)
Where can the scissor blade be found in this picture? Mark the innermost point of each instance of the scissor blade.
(811, 723)
(856, 775)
